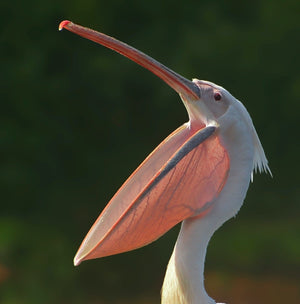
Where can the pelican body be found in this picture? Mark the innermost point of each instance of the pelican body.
(199, 175)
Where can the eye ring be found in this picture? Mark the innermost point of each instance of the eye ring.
(217, 96)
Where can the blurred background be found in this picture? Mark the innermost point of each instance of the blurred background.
(76, 119)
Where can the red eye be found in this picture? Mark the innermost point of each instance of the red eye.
(217, 96)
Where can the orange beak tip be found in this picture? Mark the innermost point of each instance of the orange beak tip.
(63, 24)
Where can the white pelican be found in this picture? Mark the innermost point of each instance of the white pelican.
(198, 175)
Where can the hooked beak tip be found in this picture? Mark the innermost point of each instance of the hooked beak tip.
(63, 24)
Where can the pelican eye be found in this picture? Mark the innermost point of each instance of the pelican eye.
(217, 96)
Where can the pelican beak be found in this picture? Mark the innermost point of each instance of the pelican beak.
(181, 85)
(175, 182)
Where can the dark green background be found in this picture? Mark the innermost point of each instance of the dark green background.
(76, 119)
